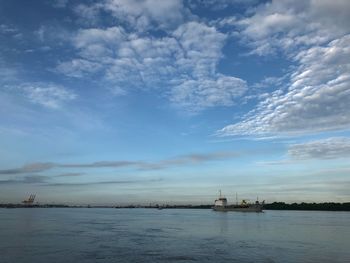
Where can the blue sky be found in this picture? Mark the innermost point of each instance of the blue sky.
(117, 101)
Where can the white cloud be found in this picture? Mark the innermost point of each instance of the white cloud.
(95, 36)
(318, 93)
(60, 3)
(201, 47)
(331, 148)
(285, 25)
(229, 21)
(8, 29)
(140, 15)
(88, 14)
(181, 64)
(78, 67)
(219, 4)
(198, 94)
(269, 82)
(47, 95)
(317, 99)
(7, 73)
(51, 36)
(203, 87)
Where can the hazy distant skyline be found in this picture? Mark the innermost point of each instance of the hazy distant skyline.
(126, 101)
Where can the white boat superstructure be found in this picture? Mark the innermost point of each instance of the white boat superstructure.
(221, 204)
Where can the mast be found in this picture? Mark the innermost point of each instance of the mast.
(236, 199)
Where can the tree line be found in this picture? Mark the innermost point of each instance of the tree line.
(308, 206)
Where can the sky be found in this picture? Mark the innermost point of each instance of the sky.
(169, 101)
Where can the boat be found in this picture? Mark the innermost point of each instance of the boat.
(221, 205)
(29, 201)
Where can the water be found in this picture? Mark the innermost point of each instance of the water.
(171, 235)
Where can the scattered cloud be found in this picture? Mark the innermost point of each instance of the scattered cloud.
(217, 5)
(47, 95)
(138, 15)
(51, 35)
(60, 3)
(269, 82)
(180, 51)
(331, 148)
(318, 90)
(285, 25)
(8, 29)
(7, 73)
(324, 149)
(196, 95)
(225, 22)
(316, 101)
(78, 67)
(181, 63)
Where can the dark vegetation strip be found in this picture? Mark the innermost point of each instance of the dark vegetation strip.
(309, 206)
(271, 206)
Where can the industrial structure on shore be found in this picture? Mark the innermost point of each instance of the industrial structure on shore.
(29, 201)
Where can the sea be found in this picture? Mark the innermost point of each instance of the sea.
(64, 235)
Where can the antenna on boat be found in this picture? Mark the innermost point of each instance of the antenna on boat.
(219, 193)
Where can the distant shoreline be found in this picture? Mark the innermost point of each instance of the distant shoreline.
(272, 206)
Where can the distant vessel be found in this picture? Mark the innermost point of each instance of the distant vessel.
(29, 201)
(222, 205)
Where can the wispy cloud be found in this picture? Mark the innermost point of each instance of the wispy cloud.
(47, 181)
(30, 179)
(190, 159)
(324, 149)
(46, 94)
(60, 3)
(8, 73)
(29, 168)
(44, 166)
(7, 29)
(105, 182)
(101, 164)
(69, 174)
(331, 148)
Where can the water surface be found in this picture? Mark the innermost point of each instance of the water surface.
(171, 235)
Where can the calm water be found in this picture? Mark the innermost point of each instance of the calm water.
(147, 235)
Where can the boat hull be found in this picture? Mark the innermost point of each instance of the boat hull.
(255, 208)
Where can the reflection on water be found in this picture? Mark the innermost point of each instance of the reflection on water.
(223, 223)
(169, 235)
